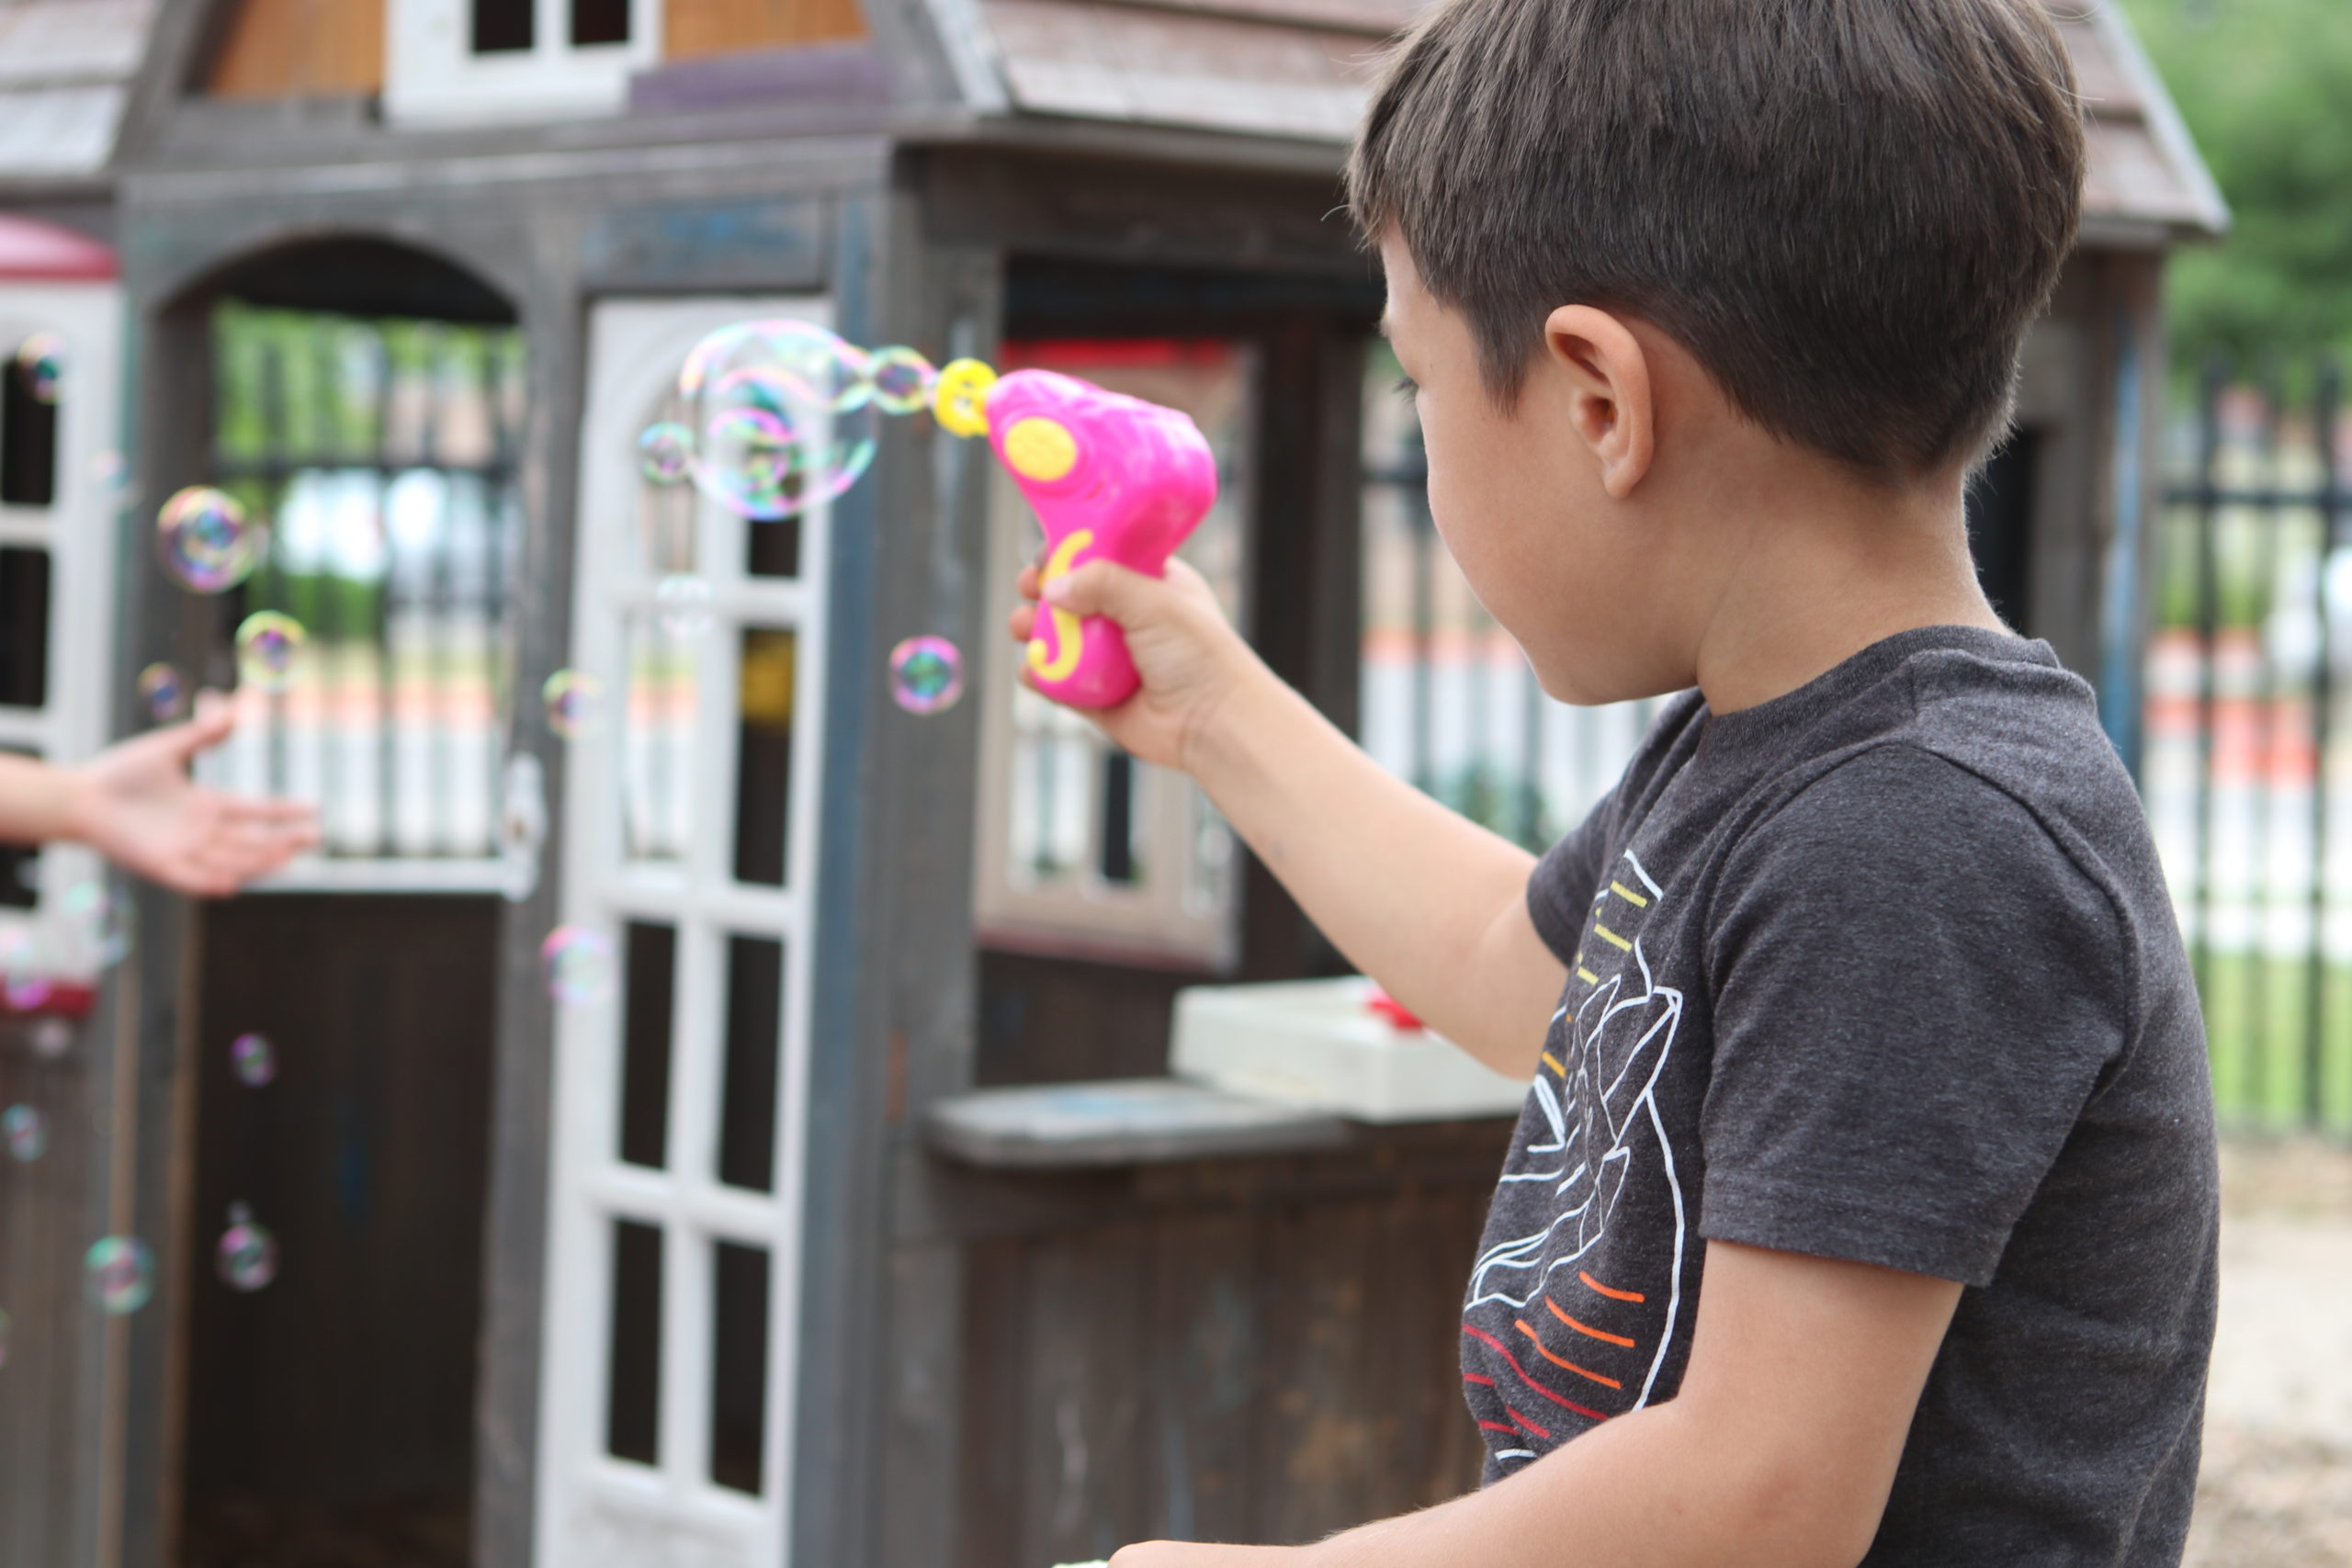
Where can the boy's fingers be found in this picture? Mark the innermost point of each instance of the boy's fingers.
(1104, 588)
(1022, 622)
(1026, 583)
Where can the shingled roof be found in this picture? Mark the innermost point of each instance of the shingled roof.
(66, 72)
(1299, 68)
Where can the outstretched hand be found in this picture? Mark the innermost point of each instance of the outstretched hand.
(1187, 651)
(135, 804)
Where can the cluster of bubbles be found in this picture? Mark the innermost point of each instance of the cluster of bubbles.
(27, 1132)
(579, 966)
(269, 646)
(121, 1273)
(40, 366)
(247, 1253)
(254, 1059)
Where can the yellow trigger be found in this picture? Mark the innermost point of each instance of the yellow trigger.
(1040, 448)
(1068, 629)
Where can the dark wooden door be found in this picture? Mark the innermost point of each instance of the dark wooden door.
(329, 1414)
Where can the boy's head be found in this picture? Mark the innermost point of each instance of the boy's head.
(1843, 213)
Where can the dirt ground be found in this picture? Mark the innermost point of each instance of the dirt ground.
(2277, 1487)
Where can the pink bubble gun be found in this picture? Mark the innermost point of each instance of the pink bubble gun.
(1111, 477)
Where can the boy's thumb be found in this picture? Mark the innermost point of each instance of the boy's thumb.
(1103, 587)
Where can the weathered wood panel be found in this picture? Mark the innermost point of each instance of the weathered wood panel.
(1244, 1350)
(297, 49)
(694, 29)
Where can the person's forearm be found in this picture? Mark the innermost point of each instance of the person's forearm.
(1425, 901)
(1647, 1490)
(36, 801)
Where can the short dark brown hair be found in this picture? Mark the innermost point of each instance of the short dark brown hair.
(1848, 210)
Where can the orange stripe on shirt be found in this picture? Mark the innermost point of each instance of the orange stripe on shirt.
(1593, 1285)
(1597, 1334)
(1543, 1351)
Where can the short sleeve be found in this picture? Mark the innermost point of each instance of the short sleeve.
(1560, 889)
(1915, 992)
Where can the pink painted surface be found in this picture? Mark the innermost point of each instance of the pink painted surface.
(34, 252)
(1142, 480)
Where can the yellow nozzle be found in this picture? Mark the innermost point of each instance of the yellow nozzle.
(961, 402)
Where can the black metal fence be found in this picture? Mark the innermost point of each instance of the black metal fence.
(2244, 772)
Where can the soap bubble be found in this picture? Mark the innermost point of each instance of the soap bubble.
(247, 1255)
(27, 1131)
(100, 920)
(164, 691)
(207, 542)
(52, 1037)
(781, 414)
(665, 452)
(926, 674)
(902, 379)
(575, 702)
(682, 601)
(268, 646)
(254, 1059)
(579, 966)
(122, 1274)
(41, 361)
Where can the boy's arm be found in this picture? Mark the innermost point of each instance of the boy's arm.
(1429, 904)
(1778, 1453)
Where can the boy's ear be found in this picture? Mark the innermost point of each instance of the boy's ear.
(1609, 385)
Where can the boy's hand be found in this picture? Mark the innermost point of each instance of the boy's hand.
(135, 804)
(1189, 1555)
(1190, 656)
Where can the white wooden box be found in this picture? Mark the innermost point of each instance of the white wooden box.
(1319, 1043)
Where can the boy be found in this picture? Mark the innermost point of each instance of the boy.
(1863, 1208)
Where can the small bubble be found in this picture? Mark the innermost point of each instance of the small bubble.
(903, 379)
(575, 702)
(52, 1037)
(41, 361)
(122, 1274)
(27, 1131)
(665, 452)
(163, 691)
(926, 674)
(682, 601)
(247, 1255)
(269, 646)
(207, 542)
(254, 1059)
(579, 966)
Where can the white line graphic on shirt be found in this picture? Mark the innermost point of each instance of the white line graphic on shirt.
(1589, 1187)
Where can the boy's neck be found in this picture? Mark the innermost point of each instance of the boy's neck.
(1819, 568)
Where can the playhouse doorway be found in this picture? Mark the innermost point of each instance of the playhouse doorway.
(366, 400)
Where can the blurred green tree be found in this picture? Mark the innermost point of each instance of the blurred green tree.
(2266, 86)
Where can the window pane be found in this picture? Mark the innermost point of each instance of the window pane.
(632, 1415)
(763, 758)
(739, 1366)
(773, 549)
(24, 627)
(754, 1018)
(503, 25)
(599, 21)
(650, 986)
(28, 439)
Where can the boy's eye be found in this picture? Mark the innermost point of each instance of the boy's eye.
(1407, 388)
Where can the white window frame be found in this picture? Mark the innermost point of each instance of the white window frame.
(595, 1511)
(77, 529)
(433, 76)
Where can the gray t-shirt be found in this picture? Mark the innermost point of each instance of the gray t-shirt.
(1885, 970)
